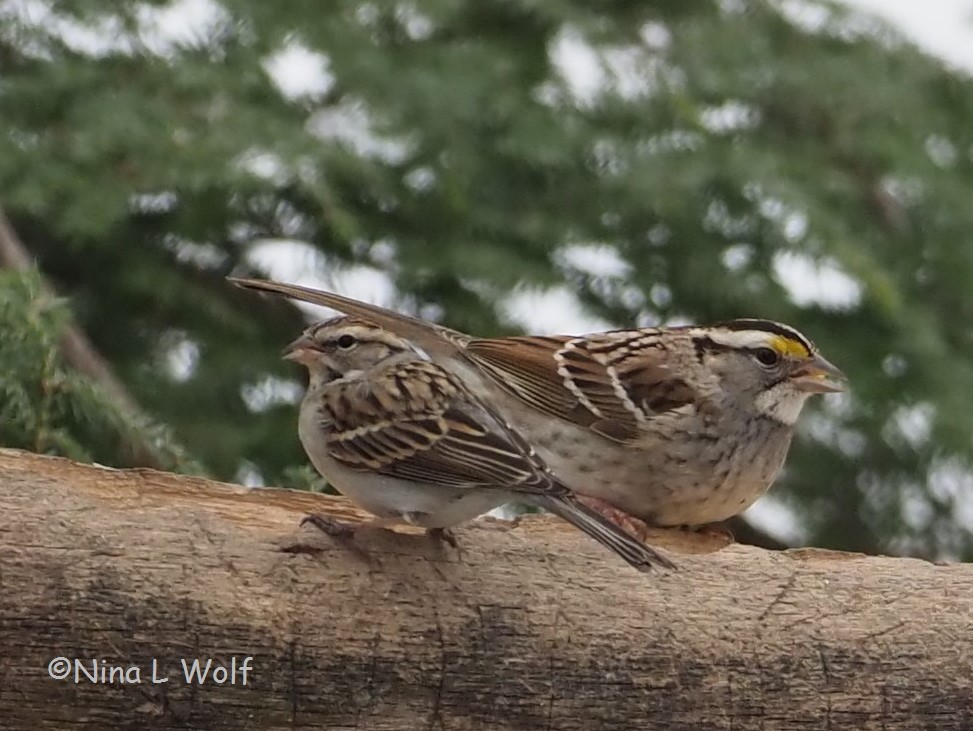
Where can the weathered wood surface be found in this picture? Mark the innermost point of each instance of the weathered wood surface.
(528, 627)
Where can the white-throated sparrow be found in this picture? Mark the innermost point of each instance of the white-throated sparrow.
(675, 426)
(406, 440)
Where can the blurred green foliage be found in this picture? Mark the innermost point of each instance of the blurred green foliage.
(718, 143)
(49, 408)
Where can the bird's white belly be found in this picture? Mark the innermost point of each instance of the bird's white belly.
(414, 503)
(428, 506)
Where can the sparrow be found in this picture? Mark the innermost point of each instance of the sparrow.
(403, 438)
(675, 426)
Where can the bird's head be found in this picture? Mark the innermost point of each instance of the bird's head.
(768, 364)
(345, 347)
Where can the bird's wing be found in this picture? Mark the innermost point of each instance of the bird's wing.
(613, 383)
(413, 420)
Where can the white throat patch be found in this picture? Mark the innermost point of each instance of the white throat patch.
(785, 407)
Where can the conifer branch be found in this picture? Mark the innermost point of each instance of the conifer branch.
(77, 348)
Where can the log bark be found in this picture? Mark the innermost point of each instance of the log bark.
(530, 626)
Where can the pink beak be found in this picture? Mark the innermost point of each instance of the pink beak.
(301, 350)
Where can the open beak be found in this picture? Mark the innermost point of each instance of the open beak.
(818, 376)
(301, 350)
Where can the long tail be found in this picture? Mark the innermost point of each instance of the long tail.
(604, 531)
(435, 339)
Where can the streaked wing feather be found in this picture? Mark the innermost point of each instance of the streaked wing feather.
(611, 383)
(525, 367)
(437, 435)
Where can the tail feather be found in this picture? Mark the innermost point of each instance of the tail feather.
(627, 546)
(435, 339)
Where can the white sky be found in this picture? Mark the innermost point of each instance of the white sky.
(942, 28)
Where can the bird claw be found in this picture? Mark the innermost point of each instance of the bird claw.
(445, 535)
(328, 525)
(718, 531)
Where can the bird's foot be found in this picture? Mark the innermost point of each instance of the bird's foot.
(328, 525)
(444, 535)
(635, 526)
(343, 533)
(720, 531)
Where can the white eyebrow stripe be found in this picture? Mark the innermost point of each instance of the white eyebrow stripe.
(743, 338)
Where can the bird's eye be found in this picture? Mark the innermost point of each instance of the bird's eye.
(346, 341)
(767, 356)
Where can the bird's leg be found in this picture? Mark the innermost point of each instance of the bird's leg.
(337, 529)
(640, 529)
(342, 532)
(719, 530)
(328, 525)
(635, 526)
(443, 534)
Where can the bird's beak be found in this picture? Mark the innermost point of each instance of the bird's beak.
(818, 376)
(301, 350)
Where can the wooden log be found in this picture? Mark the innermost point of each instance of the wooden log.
(530, 626)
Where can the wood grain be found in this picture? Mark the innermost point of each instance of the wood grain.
(525, 627)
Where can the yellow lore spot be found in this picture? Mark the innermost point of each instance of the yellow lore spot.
(790, 347)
